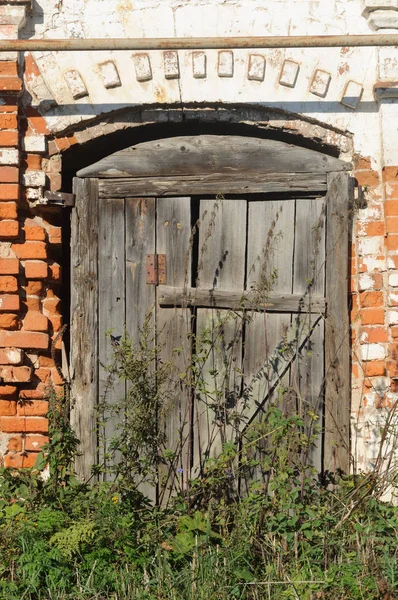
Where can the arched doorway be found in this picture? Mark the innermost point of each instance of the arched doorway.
(264, 281)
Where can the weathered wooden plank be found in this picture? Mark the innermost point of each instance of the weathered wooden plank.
(173, 232)
(309, 247)
(84, 323)
(337, 339)
(269, 277)
(276, 364)
(140, 297)
(222, 243)
(213, 183)
(238, 300)
(308, 381)
(140, 241)
(307, 373)
(111, 311)
(184, 155)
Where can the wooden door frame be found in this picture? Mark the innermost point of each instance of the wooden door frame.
(328, 174)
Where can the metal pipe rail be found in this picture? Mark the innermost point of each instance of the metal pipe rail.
(200, 43)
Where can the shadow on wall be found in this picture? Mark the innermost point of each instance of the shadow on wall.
(139, 125)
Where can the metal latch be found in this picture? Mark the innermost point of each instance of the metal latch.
(156, 269)
(59, 199)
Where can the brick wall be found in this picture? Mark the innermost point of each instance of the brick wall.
(374, 315)
(30, 277)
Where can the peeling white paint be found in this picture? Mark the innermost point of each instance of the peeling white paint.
(373, 352)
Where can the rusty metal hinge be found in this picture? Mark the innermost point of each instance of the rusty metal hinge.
(60, 199)
(156, 269)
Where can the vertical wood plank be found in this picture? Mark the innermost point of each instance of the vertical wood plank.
(337, 345)
(140, 297)
(307, 372)
(222, 245)
(84, 322)
(111, 308)
(140, 241)
(270, 247)
(173, 230)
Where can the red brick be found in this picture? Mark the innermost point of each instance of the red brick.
(11, 356)
(392, 367)
(55, 271)
(23, 424)
(372, 228)
(34, 408)
(38, 392)
(46, 361)
(31, 68)
(9, 229)
(31, 303)
(371, 299)
(8, 174)
(29, 460)
(374, 334)
(62, 143)
(8, 408)
(30, 250)
(35, 233)
(9, 191)
(35, 443)
(392, 242)
(36, 269)
(24, 339)
(369, 178)
(43, 374)
(390, 174)
(55, 235)
(13, 374)
(9, 266)
(15, 443)
(391, 208)
(8, 284)
(37, 123)
(56, 321)
(9, 321)
(8, 392)
(51, 305)
(8, 68)
(372, 316)
(56, 378)
(392, 224)
(20, 460)
(32, 162)
(9, 302)
(8, 121)
(394, 332)
(8, 210)
(374, 368)
(13, 460)
(34, 287)
(10, 84)
(35, 321)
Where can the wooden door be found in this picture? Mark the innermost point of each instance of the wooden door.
(255, 289)
(245, 283)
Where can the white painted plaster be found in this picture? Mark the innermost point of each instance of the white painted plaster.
(373, 352)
